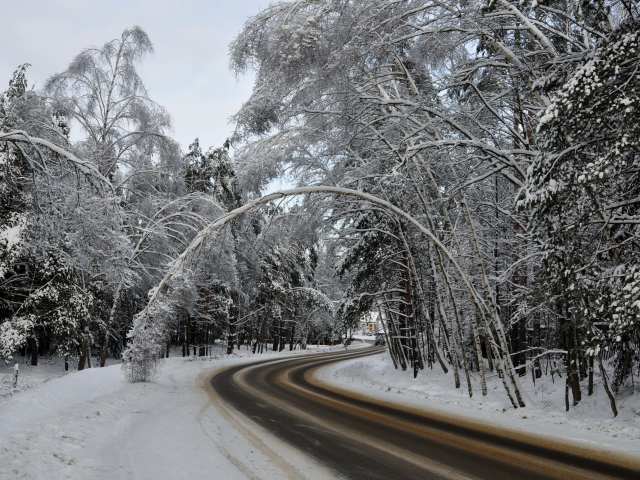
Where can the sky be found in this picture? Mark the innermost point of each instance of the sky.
(188, 73)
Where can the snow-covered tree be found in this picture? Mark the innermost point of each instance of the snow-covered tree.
(582, 194)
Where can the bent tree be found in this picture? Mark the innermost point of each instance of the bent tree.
(149, 332)
(435, 106)
(505, 132)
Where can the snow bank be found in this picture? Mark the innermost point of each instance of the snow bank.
(590, 422)
(94, 424)
(50, 398)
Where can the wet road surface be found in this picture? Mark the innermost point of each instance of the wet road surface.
(361, 438)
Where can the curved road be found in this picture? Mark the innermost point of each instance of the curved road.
(360, 438)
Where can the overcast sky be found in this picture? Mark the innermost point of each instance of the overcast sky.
(188, 74)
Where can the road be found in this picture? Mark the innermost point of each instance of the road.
(359, 438)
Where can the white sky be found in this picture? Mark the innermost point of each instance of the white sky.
(188, 74)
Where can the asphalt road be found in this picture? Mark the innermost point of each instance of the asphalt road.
(361, 438)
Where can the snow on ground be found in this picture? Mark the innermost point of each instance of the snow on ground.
(93, 424)
(591, 421)
(48, 368)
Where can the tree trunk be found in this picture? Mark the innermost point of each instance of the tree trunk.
(605, 383)
(536, 347)
(489, 300)
(573, 365)
(275, 334)
(282, 332)
(478, 349)
(390, 346)
(33, 350)
(581, 358)
(233, 319)
(84, 348)
(416, 357)
(429, 315)
(522, 355)
(188, 335)
(590, 375)
(292, 334)
(443, 299)
(112, 315)
(393, 337)
(464, 358)
(487, 346)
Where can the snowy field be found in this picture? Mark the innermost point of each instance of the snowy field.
(591, 421)
(93, 424)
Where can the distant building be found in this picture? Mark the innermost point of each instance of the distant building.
(370, 323)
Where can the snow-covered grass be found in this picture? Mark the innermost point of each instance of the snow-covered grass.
(591, 421)
(94, 424)
(48, 368)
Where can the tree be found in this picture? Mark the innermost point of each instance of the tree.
(43, 298)
(109, 208)
(102, 91)
(582, 194)
(434, 105)
(125, 136)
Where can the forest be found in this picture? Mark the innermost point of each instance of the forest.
(468, 170)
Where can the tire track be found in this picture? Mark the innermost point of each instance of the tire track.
(358, 437)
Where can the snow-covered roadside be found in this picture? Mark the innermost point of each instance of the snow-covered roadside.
(28, 377)
(590, 422)
(93, 424)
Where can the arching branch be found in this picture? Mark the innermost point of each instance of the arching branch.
(88, 169)
(143, 319)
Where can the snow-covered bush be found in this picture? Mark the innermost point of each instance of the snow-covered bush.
(141, 364)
